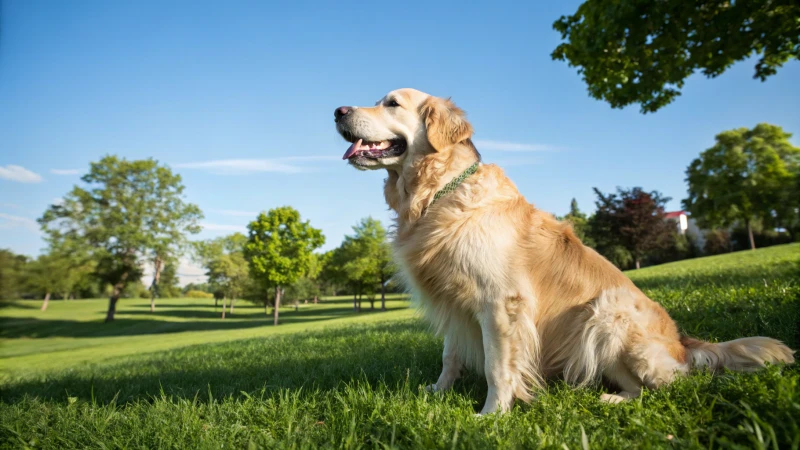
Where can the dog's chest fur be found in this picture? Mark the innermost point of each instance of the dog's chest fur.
(457, 258)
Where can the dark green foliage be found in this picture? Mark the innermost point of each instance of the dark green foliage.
(13, 280)
(580, 224)
(630, 221)
(717, 242)
(642, 51)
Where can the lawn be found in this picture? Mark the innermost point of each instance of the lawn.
(330, 378)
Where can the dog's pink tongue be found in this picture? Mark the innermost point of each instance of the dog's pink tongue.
(352, 149)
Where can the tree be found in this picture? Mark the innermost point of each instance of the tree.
(168, 283)
(47, 274)
(642, 51)
(376, 255)
(13, 269)
(118, 218)
(333, 272)
(173, 220)
(747, 175)
(634, 219)
(279, 249)
(57, 272)
(580, 223)
(308, 285)
(226, 267)
(362, 262)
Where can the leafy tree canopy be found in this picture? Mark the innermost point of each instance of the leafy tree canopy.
(279, 248)
(642, 51)
(747, 175)
(633, 219)
(125, 210)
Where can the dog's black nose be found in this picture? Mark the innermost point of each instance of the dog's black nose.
(341, 112)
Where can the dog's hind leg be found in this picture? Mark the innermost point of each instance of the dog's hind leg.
(621, 376)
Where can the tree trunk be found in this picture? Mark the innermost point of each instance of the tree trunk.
(277, 304)
(383, 295)
(266, 306)
(372, 303)
(66, 296)
(355, 301)
(46, 301)
(115, 293)
(359, 301)
(112, 305)
(233, 300)
(154, 286)
(750, 235)
(638, 265)
(223, 307)
(216, 303)
(316, 299)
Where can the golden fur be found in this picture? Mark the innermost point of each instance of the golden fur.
(515, 294)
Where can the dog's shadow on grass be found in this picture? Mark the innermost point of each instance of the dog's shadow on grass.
(390, 353)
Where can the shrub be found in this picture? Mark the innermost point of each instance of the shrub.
(717, 242)
(198, 294)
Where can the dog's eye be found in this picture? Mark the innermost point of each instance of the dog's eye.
(392, 103)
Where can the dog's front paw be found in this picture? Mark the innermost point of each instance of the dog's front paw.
(431, 388)
(614, 398)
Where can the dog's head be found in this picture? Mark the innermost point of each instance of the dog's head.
(402, 126)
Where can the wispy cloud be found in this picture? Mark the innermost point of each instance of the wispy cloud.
(239, 166)
(223, 227)
(504, 146)
(233, 212)
(9, 205)
(311, 158)
(516, 162)
(8, 221)
(19, 174)
(242, 166)
(65, 171)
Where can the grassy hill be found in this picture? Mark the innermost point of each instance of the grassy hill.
(331, 378)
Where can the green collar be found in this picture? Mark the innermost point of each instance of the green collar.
(455, 182)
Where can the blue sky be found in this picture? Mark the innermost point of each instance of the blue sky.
(238, 97)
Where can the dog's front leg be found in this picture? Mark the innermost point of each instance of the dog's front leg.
(451, 365)
(494, 322)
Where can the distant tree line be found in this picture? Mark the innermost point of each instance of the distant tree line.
(131, 213)
(744, 191)
(276, 264)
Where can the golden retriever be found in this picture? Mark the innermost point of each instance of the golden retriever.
(516, 296)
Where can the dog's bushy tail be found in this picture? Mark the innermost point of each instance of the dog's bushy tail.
(743, 355)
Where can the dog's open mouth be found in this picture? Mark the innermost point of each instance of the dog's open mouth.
(374, 149)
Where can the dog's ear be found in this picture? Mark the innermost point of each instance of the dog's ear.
(445, 122)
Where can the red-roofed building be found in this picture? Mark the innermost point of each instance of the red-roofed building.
(686, 224)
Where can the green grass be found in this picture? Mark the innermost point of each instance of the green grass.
(342, 380)
(73, 333)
